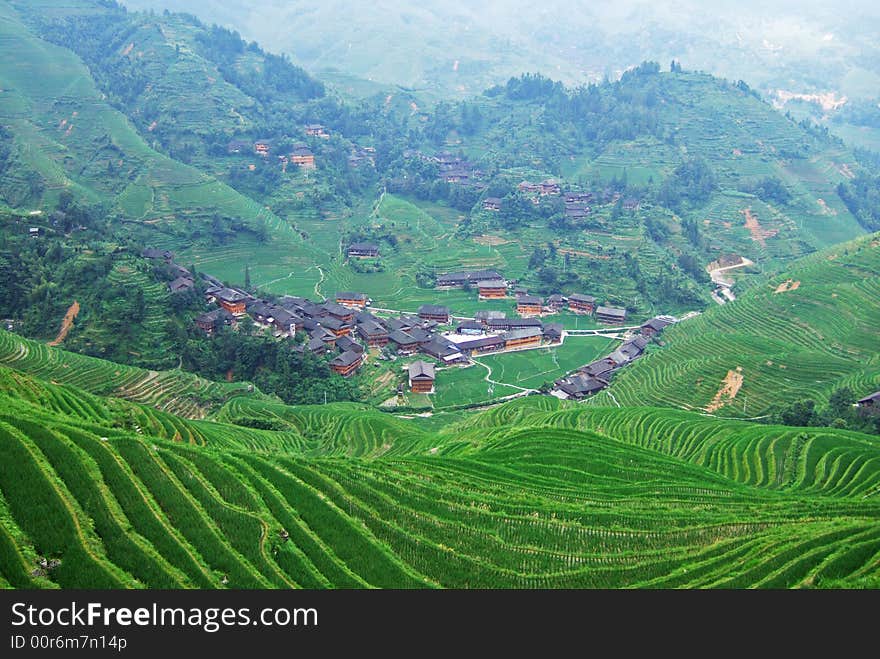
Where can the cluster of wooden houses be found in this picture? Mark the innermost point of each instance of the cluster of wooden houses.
(451, 168)
(491, 285)
(345, 324)
(181, 279)
(596, 376)
(578, 205)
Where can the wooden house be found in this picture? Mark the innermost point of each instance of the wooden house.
(421, 377)
(523, 338)
(434, 312)
(871, 402)
(263, 147)
(556, 302)
(317, 130)
(492, 204)
(181, 285)
(213, 320)
(653, 327)
(406, 344)
(469, 277)
(363, 250)
(549, 187)
(482, 345)
(553, 332)
(347, 363)
(529, 305)
(373, 334)
(343, 313)
(610, 315)
(581, 303)
(350, 299)
(302, 157)
(492, 289)
(335, 325)
(232, 300)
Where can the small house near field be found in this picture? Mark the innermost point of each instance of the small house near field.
(350, 299)
(181, 285)
(481, 346)
(363, 250)
(317, 130)
(234, 301)
(523, 338)
(421, 377)
(529, 305)
(470, 277)
(434, 312)
(553, 332)
(610, 315)
(213, 320)
(373, 334)
(581, 303)
(653, 327)
(347, 363)
(302, 157)
(492, 204)
(556, 302)
(492, 289)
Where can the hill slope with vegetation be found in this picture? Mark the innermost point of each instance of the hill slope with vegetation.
(532, 494)
(801, 335)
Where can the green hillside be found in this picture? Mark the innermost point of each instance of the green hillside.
(62, 134)
(532, 494)
(802, 334)
(176, 391)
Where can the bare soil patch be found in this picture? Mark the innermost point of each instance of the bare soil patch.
(66, 324)
(730, 387)
(787, 285)
(759, 234)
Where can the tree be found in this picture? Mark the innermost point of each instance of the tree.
(841, 401)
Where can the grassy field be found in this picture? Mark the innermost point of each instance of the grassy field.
(532, 368)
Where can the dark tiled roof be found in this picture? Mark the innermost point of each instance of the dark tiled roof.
(577, 297)
(614, 312)
(346, 358)
(348, 295)
(421, 370)
(433, 310)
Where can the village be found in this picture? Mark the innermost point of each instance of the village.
(348, 328)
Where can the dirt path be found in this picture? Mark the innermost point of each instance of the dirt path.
(730, 387)
(66, 324)
(715, 273)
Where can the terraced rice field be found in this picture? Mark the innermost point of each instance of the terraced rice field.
(173, 391)
(801, 342)
(533, 494)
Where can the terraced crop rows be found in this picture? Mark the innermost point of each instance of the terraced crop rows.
(791, 345)
(537, 493)
(174, 391)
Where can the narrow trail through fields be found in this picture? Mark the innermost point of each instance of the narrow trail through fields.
(488, 378)
(66, 324)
